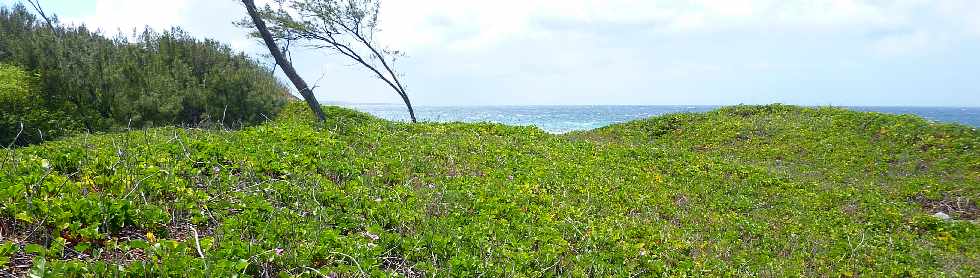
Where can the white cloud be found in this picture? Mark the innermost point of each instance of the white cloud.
(126, 15)
(501, 49)
(965, 13)
(472, 25)
(904, 44)
(469, 25)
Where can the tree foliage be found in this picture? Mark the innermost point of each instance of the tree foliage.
(147, 79)
(24, 120)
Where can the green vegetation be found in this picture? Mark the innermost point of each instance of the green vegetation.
(152, 79)
(743, 191)
(23, 117)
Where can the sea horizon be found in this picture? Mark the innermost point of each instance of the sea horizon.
(343, 104)
(567, 118)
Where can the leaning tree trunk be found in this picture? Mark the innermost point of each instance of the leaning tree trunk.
(411, 111)
(281, 60)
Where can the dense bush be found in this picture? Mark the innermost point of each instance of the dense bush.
(147, 79)
(24, 116)
(770, 191)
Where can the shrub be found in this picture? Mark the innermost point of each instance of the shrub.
(148, 79)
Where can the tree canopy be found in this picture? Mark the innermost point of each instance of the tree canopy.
(148, 78)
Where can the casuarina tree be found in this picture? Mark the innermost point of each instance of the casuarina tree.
(280, 57)
(344, 27)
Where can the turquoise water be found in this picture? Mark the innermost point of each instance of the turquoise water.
(561, 119)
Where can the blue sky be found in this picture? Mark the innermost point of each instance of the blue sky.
(516, 52)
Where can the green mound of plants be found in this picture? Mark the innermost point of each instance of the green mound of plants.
(741, 191)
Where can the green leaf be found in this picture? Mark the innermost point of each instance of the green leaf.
(39, 269)
(35, 249)
(82, 247)
(139, 244)
(23, 216)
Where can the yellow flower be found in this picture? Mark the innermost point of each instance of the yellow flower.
(658, 178)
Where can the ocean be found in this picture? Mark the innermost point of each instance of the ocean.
(561, 119)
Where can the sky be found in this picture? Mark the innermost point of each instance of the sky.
(637, 52)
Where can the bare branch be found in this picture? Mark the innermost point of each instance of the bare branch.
(345, 27)
(380, 58)
(37, 7)
(21, 130)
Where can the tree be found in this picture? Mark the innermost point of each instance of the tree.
(280, 58)
(37, 7)
(147, 79)
(345, 27)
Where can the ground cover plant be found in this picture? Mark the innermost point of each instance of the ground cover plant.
(767, 191)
